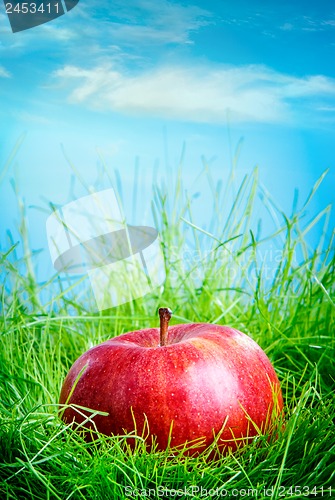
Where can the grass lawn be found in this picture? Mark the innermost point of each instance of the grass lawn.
(287, 308)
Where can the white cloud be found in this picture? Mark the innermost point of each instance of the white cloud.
(201, 94)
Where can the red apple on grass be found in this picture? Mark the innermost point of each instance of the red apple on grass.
(187, 382)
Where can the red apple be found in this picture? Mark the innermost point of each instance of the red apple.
(185, 382)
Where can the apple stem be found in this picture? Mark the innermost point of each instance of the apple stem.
(165, 315)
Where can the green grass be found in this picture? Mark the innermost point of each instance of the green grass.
(289, 312)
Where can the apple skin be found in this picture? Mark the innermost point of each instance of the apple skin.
(206, 376)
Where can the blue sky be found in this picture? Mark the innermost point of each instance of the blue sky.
(138, 79)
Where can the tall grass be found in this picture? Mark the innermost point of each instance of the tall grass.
(221, 274)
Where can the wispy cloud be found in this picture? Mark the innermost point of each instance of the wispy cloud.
(162, 22)
(4, 73)
(286, 27)
(99, 27)
(308, 23)
(272, 22)
(42, 37)
(328, 109)
(199, 94)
